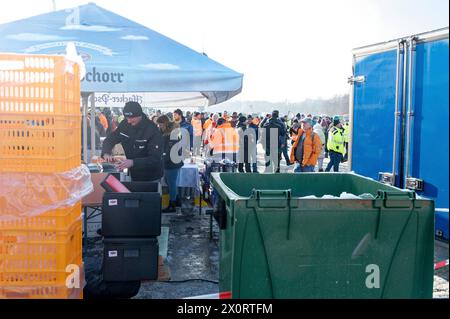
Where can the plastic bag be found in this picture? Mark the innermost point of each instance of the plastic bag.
(31, 194)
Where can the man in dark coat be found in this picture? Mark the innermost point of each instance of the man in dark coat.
(142, 142)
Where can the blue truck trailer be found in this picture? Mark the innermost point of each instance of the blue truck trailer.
(399, 117)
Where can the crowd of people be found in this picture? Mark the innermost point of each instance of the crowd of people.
(157, 144)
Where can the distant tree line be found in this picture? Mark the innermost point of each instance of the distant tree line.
(338, 104)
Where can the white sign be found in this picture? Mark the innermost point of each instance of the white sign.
(112, 253)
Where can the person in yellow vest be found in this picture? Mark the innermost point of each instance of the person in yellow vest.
(224, 141)
(335, 145)
(196, 123)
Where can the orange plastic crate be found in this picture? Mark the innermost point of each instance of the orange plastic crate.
(39, 85)
(44, 291)
(31, 143)
(58, 219)
(41, 292)
(39, 257)
(40, 119)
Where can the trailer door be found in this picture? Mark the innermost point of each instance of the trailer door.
(377, 83)
(427, 158)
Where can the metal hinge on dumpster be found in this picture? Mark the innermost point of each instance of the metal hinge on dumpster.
(386, 178)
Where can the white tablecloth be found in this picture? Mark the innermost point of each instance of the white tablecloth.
(189, 177)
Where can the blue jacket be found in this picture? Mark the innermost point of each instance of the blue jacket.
(187, 126)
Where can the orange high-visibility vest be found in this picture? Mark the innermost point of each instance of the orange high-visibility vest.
(103, 121)
(207, 124)
(225, 139)
(197, 126)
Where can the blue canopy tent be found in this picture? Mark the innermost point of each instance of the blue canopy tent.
(123, 56)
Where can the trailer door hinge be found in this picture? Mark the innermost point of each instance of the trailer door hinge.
(358, 79)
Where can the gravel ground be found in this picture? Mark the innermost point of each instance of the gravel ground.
(441, 286)
(192, 257)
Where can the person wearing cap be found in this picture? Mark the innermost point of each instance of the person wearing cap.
(247, 146)
(306, 149)
(273, 152)
(335, 145)
(142, 143)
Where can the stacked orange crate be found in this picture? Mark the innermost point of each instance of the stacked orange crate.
(40, 133)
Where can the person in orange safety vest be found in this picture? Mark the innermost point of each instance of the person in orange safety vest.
(224, 141)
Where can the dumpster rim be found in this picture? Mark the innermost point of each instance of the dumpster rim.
(217, 181)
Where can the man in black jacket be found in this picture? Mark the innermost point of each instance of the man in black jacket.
(273, 152)
(142, 142)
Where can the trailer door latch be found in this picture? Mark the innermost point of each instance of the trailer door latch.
(414, 184)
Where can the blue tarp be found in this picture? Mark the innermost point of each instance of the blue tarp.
(121, 55)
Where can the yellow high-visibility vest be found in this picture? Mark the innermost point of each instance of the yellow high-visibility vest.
(336, 140)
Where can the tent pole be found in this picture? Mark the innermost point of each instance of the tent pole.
(92, 97)
(84, 104)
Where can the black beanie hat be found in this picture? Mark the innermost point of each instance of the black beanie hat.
(132, 109)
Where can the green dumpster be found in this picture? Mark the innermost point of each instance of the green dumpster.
(301, 236)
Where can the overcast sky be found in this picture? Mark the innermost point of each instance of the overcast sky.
(287, 49)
